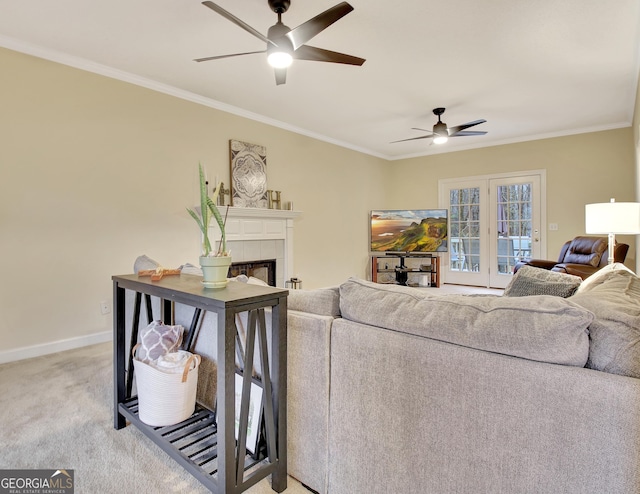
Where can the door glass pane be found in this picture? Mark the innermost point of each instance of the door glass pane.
(464, 205)
(513, 225)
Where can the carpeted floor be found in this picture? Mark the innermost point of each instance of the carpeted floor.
(57, 413)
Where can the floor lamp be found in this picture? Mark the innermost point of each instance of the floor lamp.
(613, 218)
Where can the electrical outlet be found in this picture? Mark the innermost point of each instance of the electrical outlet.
(105, 307)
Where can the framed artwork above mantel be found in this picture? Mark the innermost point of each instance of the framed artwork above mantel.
(248, 174)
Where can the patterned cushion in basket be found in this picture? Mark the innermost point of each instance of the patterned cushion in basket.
(158, 339)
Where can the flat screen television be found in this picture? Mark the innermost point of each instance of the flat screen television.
(409, 230)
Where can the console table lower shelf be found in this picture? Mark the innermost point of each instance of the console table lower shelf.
(192, 443)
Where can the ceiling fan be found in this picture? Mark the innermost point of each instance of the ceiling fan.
(441, 132)
(285, 44)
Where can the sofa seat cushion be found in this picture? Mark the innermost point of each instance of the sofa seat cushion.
(541, 327)
(529, 280)
(613, 295)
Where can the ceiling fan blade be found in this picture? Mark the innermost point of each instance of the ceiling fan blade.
(304, 32)
(281, 76)
(312, 53)
(412, 139)
(229, 16)
(454, 130)
(464, 133)
(206, 59)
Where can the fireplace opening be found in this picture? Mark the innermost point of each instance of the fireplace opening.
(264, 270)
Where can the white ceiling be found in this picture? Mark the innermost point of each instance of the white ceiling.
(531, 68)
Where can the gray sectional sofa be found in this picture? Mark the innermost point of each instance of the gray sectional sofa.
(397, 390)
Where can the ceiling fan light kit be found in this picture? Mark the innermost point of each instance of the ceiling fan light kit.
(440, 139)
(285, 44)
(280, 59)
(280, 51)
(441, 132)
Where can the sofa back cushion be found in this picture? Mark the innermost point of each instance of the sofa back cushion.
(585, 250)
(540, 327)
(321, 301)
(613, 295)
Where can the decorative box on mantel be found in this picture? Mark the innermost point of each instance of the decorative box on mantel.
(256, 234)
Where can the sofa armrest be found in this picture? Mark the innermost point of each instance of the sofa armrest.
(320, 301)
(308, 379)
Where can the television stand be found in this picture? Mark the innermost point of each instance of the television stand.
(406, 269)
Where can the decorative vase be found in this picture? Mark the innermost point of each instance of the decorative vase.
(215, 271)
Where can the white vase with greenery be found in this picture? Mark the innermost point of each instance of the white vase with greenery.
(214, 264)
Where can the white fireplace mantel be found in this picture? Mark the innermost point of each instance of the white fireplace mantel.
(255, 234)
(262, 213)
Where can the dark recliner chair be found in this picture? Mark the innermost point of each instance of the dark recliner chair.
(581, 256)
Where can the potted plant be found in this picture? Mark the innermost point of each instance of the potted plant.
(214, 264)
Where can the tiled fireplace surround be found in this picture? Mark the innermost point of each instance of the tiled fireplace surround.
(255, 234)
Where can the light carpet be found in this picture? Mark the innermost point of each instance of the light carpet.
(57, 413)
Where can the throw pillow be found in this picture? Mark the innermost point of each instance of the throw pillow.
(256, 281)
(158, 339)
(189, 268)
(610, 271)
(614, 298)
(536, 281)
(249, 280)
(144, 262)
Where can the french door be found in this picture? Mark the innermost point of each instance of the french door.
(494, 222)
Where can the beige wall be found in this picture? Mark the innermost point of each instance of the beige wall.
(580, 169)
(94, 172)
(636, 144)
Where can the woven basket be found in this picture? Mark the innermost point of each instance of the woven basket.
(166, 398)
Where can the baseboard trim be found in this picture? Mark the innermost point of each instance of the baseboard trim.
(54, 347)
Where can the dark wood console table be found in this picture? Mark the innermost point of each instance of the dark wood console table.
(205, 444)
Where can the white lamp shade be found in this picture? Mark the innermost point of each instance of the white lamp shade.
(613, 217)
